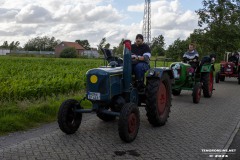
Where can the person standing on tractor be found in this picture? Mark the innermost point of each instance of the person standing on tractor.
(191, 56)
(141, 54)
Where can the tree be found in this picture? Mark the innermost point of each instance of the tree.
(84, 43)
(119, 49)
(14, 45)
(177, 49)
(101, 45)
(221, 22)
(41, 44)
(157, 47)
(69, 52)
(5, 45)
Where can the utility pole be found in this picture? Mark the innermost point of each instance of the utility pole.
(146, 30)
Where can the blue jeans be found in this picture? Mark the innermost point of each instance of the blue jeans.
(139, 70)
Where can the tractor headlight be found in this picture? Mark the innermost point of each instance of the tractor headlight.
(93, 79)
(151, 72)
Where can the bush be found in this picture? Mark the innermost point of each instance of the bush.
(69, 52)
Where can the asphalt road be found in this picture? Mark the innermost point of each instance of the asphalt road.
(193, 131)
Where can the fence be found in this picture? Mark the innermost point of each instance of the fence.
(31, 52)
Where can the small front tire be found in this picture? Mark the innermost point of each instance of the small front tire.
(129, 122)
(69, 120)
(197, 93)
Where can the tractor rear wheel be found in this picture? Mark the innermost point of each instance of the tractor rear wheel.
(69, 120)
(217, 77)
(197, 93)
(158, 95)
(176, 92)
(129, 122)
(207, 80)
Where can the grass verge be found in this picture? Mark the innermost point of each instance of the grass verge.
(23, 115)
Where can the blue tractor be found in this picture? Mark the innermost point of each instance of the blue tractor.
(113, 94)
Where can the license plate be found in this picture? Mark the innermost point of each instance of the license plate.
(93, 95)
(228, 70)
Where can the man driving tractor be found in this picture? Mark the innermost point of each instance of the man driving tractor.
(191, 56)
(141, 54)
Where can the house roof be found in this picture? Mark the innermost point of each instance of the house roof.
(73, 44)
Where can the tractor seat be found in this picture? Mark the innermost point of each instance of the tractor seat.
(109, 57)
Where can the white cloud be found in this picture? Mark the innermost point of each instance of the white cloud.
(69, 20)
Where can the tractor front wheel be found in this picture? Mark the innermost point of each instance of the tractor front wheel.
(207, 80)
(158, 94)
(69, 120)
(197, 93)
(129, 122)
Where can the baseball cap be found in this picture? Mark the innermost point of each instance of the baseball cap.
(139, 36)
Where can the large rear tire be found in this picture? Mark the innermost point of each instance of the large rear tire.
(197, 93)
(69, 120)
(207, 80)
(129, 122)
(158, 95)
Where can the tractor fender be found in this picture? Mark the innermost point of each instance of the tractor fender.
(158, 72)
(207, 68)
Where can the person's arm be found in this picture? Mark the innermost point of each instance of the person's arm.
(185, 59)
(146, 55)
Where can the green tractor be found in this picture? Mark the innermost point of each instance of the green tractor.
(195, 80)
(112, 93)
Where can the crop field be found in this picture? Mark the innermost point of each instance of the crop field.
(32, 78)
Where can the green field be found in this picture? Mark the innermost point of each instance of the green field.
(33, 78)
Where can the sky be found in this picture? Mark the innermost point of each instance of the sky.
(70, 20)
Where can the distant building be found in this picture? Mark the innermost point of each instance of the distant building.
(63, 45)
(92, 53)
(4, 51)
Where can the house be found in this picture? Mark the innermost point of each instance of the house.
(92, 53)
(63, 45)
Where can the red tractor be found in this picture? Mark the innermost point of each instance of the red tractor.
(230, 67)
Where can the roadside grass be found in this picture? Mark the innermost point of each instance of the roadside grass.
(23, 115)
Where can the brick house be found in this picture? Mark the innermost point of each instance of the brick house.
(63, 45)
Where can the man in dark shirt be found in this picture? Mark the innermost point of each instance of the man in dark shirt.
(141, 54)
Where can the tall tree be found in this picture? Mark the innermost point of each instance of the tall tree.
(101, 45)
(157, 46)
(14, 45)
(41, 44)
(84, 43)
(221, 22)
(5, 45)
(177, 49)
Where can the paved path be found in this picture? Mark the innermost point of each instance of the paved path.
(191, 128)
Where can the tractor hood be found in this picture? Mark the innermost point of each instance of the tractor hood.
(105, 71)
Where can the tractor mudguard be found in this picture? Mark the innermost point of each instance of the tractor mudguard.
(207, 68)
(158, 72)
